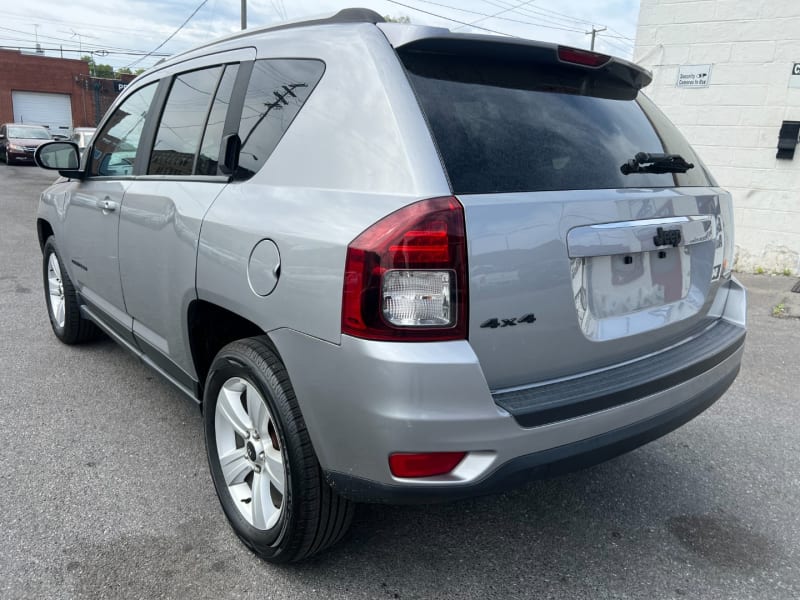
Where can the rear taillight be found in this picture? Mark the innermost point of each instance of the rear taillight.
(585, 58)
(406, 276)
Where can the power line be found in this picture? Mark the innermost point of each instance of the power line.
(473, 12)
(545, 11)
(497, 14)
(174, 33)
(450, 19)
(87, 47)
(279, 8)
(621, 35)
(41, 35)
(71, 50)
(29, 19)
(616, 45)
(552, 15)
(567, 17)
(507, 7)
(534, 13)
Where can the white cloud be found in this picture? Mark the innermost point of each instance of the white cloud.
(141, 25)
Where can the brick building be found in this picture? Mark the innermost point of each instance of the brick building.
(56, 92)
(727, 72)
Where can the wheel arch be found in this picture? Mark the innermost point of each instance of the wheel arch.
(210, 327)
(44, 230)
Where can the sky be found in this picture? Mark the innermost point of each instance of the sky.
(123, 32)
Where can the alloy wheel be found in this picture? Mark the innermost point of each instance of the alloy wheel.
(249, 453)
(55, 287)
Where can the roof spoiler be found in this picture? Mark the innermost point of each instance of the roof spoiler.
(594, 67)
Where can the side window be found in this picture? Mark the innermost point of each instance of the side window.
(182, 122)
(276, 93)
(208, 158)
(115, 150)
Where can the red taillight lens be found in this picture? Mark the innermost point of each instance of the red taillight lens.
(425, 464)
(406, 276)
(582, 57)
(422, 247)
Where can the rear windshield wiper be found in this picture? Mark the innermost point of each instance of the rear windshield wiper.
(656, 163)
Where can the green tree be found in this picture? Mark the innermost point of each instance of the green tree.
(106, 71)
(124, 70)
(96, 70)
(89, 61)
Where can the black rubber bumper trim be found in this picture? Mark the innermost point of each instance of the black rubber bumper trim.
(539, 465)
(555, 402)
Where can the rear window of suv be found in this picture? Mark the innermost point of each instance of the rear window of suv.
(504, 127)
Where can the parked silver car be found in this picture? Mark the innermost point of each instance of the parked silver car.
(396, 264)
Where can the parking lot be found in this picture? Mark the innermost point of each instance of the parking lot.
(105, 492)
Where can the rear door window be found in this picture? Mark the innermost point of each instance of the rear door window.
(500, 128)
(277, 90)
(182, 122)
(208, 159)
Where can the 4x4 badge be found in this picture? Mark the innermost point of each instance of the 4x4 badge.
(495, 323)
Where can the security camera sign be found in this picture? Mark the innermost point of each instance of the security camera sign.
(693, 76)
(794, 78)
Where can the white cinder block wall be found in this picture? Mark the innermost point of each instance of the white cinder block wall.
(733, 124)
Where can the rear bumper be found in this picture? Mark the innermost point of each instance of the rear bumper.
(540, 465)
(365, 400)
(557, 401)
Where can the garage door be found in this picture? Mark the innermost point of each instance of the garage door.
(36, 108)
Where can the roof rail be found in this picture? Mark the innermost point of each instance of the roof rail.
(346, 15)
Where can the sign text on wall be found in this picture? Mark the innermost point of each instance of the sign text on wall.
(693, 76)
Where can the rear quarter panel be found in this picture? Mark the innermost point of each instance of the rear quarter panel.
(357, 151)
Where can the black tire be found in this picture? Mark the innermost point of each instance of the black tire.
(313, 516)
(75, 329)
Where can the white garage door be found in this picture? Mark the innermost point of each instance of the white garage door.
(36, 108)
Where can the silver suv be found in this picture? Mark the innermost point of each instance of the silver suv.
(396, 264)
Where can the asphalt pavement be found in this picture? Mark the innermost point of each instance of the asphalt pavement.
(104, 488)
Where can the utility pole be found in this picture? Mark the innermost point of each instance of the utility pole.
(593, 32)
(244, 14)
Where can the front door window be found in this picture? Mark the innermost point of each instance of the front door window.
(114, 152)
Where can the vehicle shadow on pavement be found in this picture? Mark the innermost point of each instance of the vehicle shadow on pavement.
(641, 517)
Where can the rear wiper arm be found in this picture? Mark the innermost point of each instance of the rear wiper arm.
(656, 163)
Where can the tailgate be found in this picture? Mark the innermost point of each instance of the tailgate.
(575, 262)
(567, 282)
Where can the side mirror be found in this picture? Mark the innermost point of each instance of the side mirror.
(59, 156)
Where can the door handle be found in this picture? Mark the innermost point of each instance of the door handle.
(107, 205)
